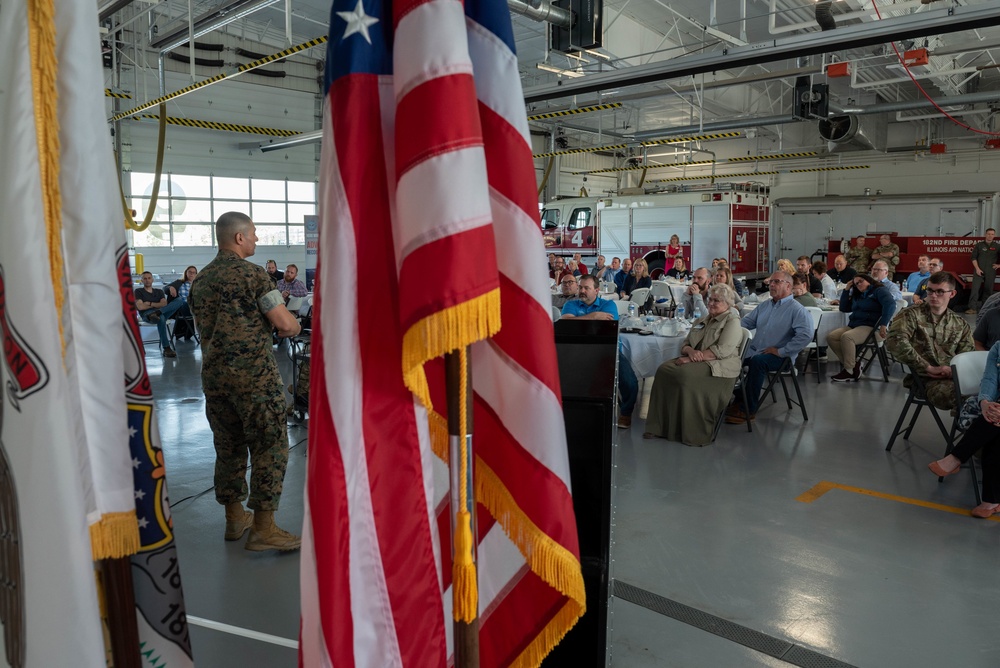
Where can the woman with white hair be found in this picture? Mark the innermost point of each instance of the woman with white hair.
(690, 392)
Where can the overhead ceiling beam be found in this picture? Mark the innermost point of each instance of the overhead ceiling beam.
(932, 22)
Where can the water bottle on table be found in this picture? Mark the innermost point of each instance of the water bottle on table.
(696, 314)
(680, 313)
(632, 308)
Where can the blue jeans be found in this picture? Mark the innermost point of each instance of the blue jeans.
(628, 385)
(758, 367)
(165, 313)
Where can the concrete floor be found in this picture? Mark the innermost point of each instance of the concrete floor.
(863, 576)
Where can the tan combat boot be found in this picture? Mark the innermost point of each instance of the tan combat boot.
(237, 521)
(265, 534)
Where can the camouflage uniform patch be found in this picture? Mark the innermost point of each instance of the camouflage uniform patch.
(859, 258)
(244, 400)
(919, 339)
(888, 254)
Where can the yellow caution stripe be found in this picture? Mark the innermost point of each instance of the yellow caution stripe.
(576, 151)
(714, 176)
(776, 156)
(229, 127)
(242, 69)
(829, 169)
(120, 96)
(674, 165)
(574, 112)
(682, 140)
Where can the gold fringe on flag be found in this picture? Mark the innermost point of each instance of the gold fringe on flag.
(443, 332)
(44, 67)
(464, 591)
(114, 536)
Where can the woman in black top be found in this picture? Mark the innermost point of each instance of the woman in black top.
(639, 278)
(679, 271)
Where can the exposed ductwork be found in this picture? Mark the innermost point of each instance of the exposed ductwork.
(541, 10)
(824, 15)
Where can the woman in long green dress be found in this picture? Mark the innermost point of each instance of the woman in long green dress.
(690, 392)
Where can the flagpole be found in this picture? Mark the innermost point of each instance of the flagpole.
(119, 596)
(466, 634)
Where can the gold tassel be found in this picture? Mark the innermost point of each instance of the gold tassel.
(114, 536)
(465, 593)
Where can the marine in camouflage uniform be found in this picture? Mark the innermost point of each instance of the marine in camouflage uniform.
(920, 339)
(243, 392)
(237, 306)
(859, 257)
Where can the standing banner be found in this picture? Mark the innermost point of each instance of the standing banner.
(70, 486)
(429, 226)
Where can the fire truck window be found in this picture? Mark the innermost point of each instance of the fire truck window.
(580, 219)
(550, 219)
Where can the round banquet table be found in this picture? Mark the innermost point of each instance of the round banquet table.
(647, 353)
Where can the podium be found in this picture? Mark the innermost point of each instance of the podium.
(587, 351)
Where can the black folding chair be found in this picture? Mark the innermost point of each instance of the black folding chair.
(917, 397)
(966, 373)
(874, 349)
(786, 370)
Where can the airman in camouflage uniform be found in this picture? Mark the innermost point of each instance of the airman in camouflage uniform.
(859, 256)
(927, 336)
(887, 252)
(236, 306)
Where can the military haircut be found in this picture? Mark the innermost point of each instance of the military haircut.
(942, 278)
(146, 272)
(229, 225)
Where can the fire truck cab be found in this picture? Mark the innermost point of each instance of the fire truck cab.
(725, 220)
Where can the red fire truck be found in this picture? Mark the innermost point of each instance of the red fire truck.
(725, 220)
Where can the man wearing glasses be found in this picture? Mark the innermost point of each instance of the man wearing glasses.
(569, 288)
(926, 336)
(934, 266)
(782, 328)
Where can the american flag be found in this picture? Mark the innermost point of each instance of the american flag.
(429, 236)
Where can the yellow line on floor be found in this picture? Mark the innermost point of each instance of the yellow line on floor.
(821, 488)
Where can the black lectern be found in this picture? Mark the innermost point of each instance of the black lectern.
(588, 357)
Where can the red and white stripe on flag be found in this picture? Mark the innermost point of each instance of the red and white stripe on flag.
(428, 221)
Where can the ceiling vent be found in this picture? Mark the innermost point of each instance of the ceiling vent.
(855, 133)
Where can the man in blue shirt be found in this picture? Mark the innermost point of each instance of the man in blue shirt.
(880, 272)
(923, 272)
(782, 328)
(589, 306)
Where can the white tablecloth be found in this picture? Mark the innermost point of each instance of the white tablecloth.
(647, 353)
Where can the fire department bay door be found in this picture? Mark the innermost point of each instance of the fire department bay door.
(802, 233)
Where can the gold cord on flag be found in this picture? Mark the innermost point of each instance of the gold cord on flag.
(130, 223)
(465, 594)
(42, 40)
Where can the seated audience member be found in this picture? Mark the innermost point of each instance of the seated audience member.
(880, 272)
(870, 306)
(611, 275)
(180, 290)
(803, 268)
(842, 272)
(689, 392)
(984, 434)
(639, 278)
(573, 267)
(922, 273)
(693, 300)
(579, 264)
(589, 305)
(623, 275)
(600, 269)
(679, 270)
(782, 328)
(990, 304)
(920, 294)
(829, 285)
(800, 291)
(272, 271)
(925, 337)
(290, 285)
(153, 308)
(988, 330)
(559, 270)
(569, 289)
(724, 276)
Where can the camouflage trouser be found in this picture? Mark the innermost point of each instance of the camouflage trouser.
(302, 382)
(941, 393)
(243, 427)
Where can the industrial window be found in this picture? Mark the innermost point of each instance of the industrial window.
(187, 207)
(550, 219)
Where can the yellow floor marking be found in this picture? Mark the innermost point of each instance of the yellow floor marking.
(821, 488)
